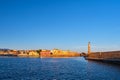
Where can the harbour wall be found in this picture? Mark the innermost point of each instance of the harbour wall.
(105, 55)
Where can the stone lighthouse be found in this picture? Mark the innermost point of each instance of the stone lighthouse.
(89, 48)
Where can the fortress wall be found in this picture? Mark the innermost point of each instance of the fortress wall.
(111, 54)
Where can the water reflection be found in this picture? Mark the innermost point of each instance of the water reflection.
(57, 69)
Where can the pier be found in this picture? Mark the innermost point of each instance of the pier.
(108, 56)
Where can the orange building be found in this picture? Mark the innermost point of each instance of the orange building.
(45, 53)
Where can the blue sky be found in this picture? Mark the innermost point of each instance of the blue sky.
(63, 24)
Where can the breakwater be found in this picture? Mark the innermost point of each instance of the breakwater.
(110, 56)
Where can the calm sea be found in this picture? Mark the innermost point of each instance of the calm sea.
(56, 69)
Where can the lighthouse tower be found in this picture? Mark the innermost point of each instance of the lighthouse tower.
(89, 48)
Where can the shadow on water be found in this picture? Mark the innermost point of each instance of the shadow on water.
(104, 63)
(97, 70)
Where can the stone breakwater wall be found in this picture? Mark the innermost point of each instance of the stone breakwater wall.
(105, 55)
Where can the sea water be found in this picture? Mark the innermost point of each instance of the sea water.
(77, 68)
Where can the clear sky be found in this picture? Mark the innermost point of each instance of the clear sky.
(63, 24)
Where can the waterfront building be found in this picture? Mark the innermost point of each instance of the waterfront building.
(45, 53)
(33, 53)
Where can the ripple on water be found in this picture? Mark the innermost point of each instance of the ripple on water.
(56, 69)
